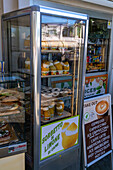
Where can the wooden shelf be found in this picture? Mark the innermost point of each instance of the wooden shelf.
(65, 114)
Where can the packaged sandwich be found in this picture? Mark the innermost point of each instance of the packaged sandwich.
(52, 68)
(45, 68)
(66, 68)
(59, 67)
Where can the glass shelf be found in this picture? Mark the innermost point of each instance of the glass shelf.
(64, 115)
(62, 75)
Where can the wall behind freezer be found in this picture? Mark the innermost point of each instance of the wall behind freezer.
(10, 5)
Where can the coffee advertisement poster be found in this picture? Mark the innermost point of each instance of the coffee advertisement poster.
(95, 85)
(58, 136)
(97, 127)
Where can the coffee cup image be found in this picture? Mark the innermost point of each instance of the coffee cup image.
(69, 135)
(102, 109)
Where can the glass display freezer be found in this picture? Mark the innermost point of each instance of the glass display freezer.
(46, 48)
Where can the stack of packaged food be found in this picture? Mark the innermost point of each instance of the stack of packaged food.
(54, 67)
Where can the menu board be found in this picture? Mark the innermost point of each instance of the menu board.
(95, 85)
(58, 136)
(97, 128)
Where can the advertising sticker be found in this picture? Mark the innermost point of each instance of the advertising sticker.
(58, 136)
(97, 128)
(95, 85)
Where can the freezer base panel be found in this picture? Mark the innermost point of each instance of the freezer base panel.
(66, 161)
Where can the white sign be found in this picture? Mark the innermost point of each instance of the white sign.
(59, 136)
(97, 128)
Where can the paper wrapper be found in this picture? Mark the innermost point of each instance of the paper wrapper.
(13, 137)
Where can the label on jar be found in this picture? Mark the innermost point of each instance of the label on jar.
(51, 106)
(59, 108)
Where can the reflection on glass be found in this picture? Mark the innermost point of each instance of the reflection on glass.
(98, 45)
(62, 46)
(16, 112)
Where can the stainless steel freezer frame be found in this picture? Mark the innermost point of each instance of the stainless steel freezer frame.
(69, 158)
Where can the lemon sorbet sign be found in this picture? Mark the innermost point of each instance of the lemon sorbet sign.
(95, 85)
(59, 136)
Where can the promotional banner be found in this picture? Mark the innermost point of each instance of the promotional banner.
(58, 136)
(95, 85)
(97, 128)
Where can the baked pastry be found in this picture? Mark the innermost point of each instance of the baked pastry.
(10, 99)
(3, 125)
(55, 90)
(47, 95)
(4, 135)
(59, 67)
(66, 68)
(55, 94)
(69, 135)
(8, 92)
(45, 68)
(10, 113)
(8, 108)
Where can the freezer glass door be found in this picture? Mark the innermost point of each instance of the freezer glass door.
(62, 46)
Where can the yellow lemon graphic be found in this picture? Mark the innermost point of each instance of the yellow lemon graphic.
(69, 135)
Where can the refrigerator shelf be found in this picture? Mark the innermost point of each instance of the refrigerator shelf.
(56, 51)
(62, 75)
(24, 71)
(65, 114)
